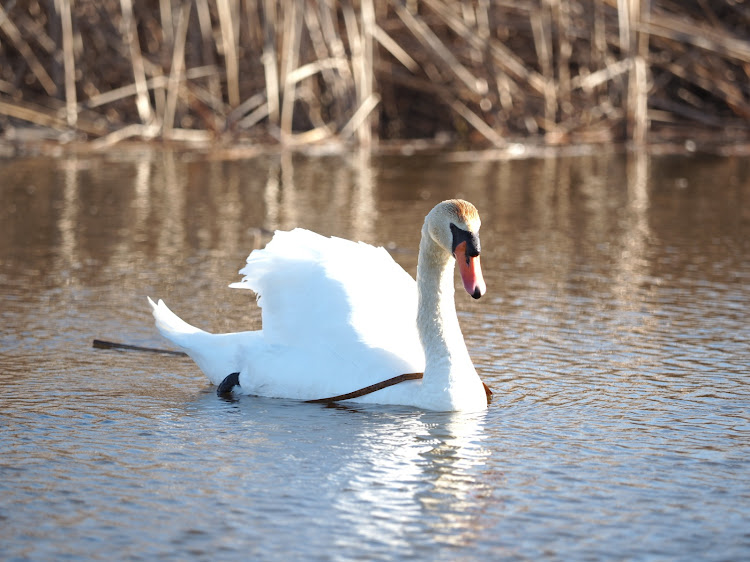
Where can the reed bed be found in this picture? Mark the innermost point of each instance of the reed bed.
(480, 73)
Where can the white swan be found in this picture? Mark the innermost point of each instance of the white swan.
(339, 315)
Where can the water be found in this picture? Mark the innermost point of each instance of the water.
(615, 334)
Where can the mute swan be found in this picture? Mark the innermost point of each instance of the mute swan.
(340, 315)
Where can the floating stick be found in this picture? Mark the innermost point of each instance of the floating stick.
(101, 344)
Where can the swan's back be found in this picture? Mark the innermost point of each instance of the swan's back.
(315, 290)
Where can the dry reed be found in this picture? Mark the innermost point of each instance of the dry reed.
(478, 73)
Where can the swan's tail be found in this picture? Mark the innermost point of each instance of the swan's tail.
(217, 355)
(171, 326)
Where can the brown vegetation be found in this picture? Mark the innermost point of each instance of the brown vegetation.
(475, 74)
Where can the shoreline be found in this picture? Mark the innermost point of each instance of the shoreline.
(35, 141)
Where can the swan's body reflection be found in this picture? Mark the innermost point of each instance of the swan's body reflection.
(396, 479)
(418, 470)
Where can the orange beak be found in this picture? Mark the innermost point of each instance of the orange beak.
(471, 272)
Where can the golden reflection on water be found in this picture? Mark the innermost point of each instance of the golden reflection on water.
(182, 224)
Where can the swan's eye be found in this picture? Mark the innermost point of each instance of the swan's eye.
(472, 241)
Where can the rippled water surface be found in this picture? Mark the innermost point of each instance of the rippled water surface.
(615, 334)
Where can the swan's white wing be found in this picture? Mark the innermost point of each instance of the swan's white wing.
(315, 290)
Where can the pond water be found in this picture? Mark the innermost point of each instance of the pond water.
(615, 334)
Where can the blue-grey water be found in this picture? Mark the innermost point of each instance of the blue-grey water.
(615, 335)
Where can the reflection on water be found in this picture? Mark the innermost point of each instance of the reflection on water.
(414, 477)
(615, 335)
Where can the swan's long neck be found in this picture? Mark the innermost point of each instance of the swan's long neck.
(445, 350)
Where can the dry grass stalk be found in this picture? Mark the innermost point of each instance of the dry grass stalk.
(541, 27)
(254, 117)
(15, 37)
(360, 117)
(368, 100)
(270, 60)
(165, 13)
(293, 18)
(433, 43)
(204, 22)
(46, 117)
(565, 50)
(69, 62)
(178, 65)
(355, 46)
(325, 64)
(717, 41)
(504, 57)
(227, 18)
(129, 30)
(38, 116)
(138, 130)
(395, 49)
(478, 123)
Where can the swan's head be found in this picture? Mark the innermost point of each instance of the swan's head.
(454, 225)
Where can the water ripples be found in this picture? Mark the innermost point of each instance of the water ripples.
(615, 336)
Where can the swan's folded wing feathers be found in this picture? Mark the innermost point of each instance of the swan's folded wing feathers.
(314, 289)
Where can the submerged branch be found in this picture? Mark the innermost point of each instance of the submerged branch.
(103, 344)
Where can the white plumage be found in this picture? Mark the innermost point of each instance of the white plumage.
(338, 316)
